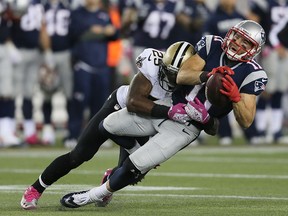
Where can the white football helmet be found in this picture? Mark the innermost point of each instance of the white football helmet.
(251, 31)
(173, 58)
(18, 7)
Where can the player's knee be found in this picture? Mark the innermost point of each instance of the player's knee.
(76, 158)
(103, 130)
(108, 124)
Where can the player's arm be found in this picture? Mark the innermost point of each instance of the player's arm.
(245, 110)
(191, 70)
(138, 101)
(46, 45)
(129, 17)
(244, 105)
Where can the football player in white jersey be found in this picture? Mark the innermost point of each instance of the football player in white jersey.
(243, 80)
(153, 81)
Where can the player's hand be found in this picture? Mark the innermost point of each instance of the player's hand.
(178, 113)
(49, 59)
(197, 111)
(222, 70)
(231, 89)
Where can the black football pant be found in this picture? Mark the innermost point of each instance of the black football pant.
(89, 142)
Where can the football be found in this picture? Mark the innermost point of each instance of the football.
(212, 91)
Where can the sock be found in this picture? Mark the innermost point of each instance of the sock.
(29, 127)
(261, 120)
(99, 192)
(39, 185)
(7, 126)
(276, 120)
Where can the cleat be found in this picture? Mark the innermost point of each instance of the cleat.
(107, 199)
(48, 135)
(32, 140)
(30, 198)
(77, 199)
(10, 140)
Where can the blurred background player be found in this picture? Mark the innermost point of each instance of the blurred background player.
(8, 56)
(56, 69)
(150, 23)
(26, 26)
(272, 15)
(193, 17)
(90, 30)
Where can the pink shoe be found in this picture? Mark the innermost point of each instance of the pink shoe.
(107, 199)
(30, 198)
(33, 140)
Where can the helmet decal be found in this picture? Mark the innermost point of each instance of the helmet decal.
(251, 32)
(180, 53)
(172, 60)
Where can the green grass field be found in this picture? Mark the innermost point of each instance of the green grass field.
(203, 180)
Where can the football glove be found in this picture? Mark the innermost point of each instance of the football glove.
(231, 89)
(197, 111)
(178, 113)
(222, 70)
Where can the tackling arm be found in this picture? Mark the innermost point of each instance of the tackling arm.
(139, 91)
(46, 44)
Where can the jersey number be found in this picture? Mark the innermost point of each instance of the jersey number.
(157, 56)
(32, 19)
(155, 20)
(57, 22)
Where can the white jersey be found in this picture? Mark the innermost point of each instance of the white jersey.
(148, 63)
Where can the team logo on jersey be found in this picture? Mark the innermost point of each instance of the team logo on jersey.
(259, 86)
(200, 44)
(139, 61)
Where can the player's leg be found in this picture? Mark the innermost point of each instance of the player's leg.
(277, 114)
(100, 88)
(277, 109)
(30, 80)
(123, 155)
(270, 64)
(7, 101)
(89, 142)
(64, 74)
(81, 92)
(171, 138)
(48, 133)
(128, 124)
(225, 131)
(261, 118)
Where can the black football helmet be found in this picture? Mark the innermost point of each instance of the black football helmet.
(173, 58)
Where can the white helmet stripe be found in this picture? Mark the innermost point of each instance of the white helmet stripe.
(180, 53)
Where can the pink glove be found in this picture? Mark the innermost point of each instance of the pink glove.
(197, 111)
(178, 113)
